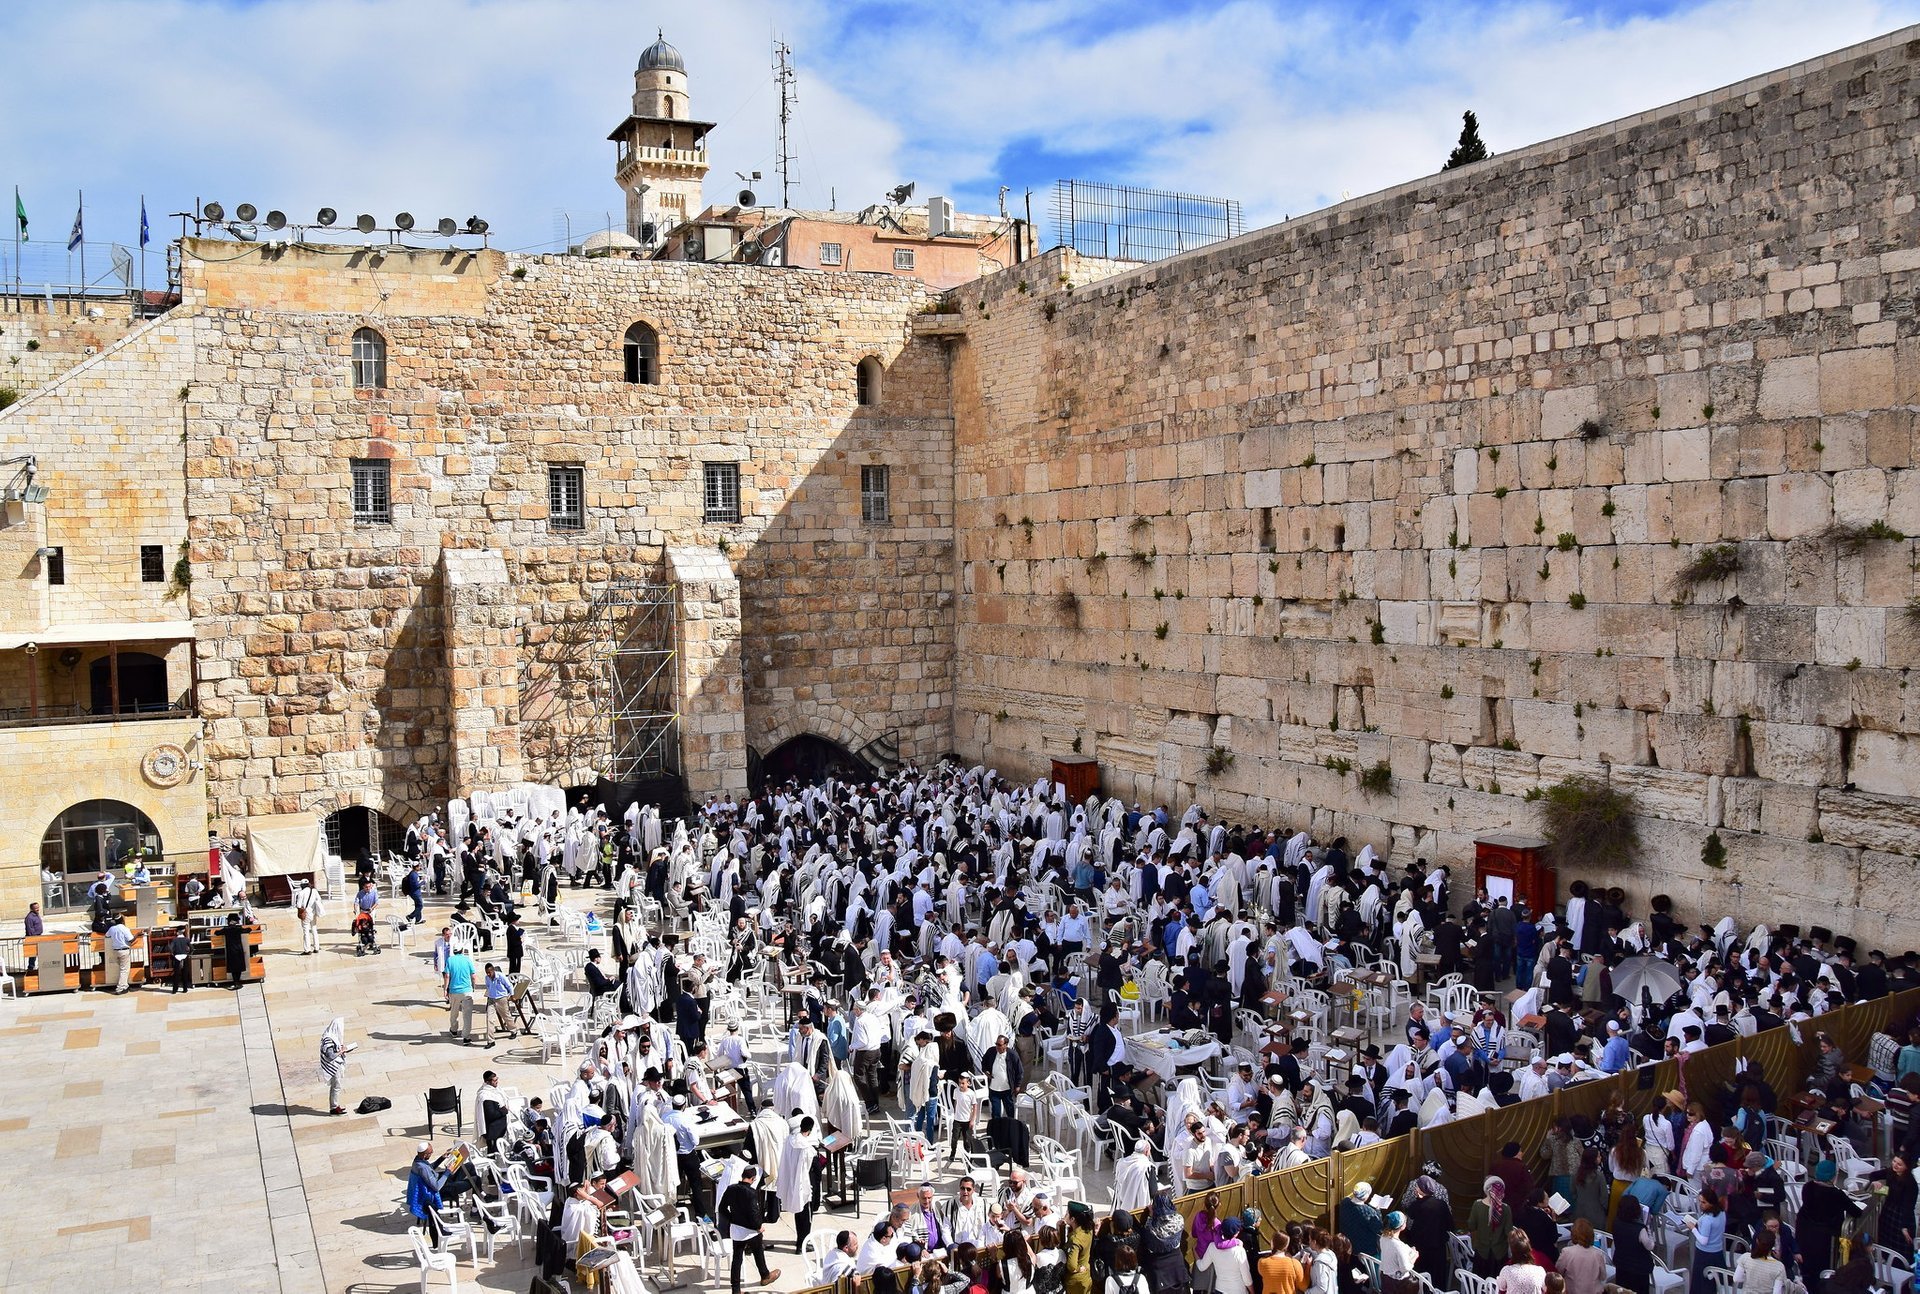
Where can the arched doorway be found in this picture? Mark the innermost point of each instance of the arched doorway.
(143, 683)
(808, 758)
(89, 838)
(358, 829)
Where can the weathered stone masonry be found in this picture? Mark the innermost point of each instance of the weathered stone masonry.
(1410, 481)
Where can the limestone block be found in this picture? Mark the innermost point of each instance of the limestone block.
(1856, 379)
(1869, 821)
(1263, 488)
(1564, 409)
(1546, 728)
(1798, 503)
(1237, 695)
(1802, 754)
(1887, 763)
(1740, 802)
(1696, 743)
(1844, 635)
(1790, 387)
(1860, 496)
(1684, 454)
(1790, 812)
(1663, 793)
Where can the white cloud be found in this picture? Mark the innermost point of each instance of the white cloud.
(500, 107)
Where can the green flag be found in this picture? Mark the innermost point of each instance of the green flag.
(20, 212)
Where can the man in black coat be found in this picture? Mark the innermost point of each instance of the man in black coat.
(740, 1213)
(1102, 1043)
(1870, 981)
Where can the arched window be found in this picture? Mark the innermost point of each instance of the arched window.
(89, 838)
(642, 352)
(369, 360)
(866, 381)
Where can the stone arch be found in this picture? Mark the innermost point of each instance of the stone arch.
(822, 718)
(397, 807)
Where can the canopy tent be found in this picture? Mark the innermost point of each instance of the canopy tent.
(285, 844)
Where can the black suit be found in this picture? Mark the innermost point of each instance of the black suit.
(1100, 1046)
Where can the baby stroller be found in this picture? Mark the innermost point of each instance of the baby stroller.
(364, 939)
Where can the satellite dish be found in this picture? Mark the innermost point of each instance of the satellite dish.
(364, 223)
(327, 216)
(246, 211)
(276, 220)
(475, 225)
(213, 211)
(447, 228)
(404, 220)
(746, 198)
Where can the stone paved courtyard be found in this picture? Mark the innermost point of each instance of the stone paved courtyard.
(162, 1142)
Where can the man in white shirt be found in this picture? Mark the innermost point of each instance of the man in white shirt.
(841, 1261)
(869, 1035)
(969, 1222)
(1533, 1080)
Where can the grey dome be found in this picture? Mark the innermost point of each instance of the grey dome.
(661, 57)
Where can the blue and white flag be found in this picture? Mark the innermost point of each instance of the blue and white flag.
(73, 239)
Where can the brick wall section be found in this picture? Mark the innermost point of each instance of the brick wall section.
(483, 671)
(325, 641)
(1330, 492)
(712, 683)
(38, 343)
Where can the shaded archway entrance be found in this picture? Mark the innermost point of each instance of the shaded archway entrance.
(357, 829)
(143, 683)
(808, 758)
(89, 838)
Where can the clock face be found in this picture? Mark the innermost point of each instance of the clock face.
(164, 765)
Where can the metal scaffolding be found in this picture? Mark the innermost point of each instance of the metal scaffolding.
(638, 692)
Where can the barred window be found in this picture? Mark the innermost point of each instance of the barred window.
(874, 503)
(372, 490)
(369, 360)
(903, 258)
(829, 253)
(567, 498)
(153, 564)
(723, 492)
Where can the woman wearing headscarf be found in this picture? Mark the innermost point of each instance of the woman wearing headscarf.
(1162, 1237)
(1226, 1261)
(1824, 1210)
(1429, 1227)
(1488, 1223)
(333, 1061)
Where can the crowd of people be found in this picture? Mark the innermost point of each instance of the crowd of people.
(940, 939)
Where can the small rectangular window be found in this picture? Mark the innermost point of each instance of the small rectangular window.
(372, 490)
(874, 504)
(722, 492)
(903, 258)
(567, 498)
(153, 564)
(1267, 537)
(57, 566)
(829, 253)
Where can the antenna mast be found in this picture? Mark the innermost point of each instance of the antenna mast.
(783, 77)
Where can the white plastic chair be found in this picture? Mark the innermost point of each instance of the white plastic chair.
(455, 1231)
(506, 1220)
(1721, 1278)
(1890, 1268)
(431, 1261)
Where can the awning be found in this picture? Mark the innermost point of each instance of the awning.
(102, 632)
(282, 844)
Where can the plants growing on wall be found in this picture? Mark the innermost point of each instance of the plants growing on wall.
(1589, 825)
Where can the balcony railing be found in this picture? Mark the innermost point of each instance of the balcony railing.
(63, 715)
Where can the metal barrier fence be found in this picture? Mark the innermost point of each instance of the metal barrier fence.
(1465, 1149)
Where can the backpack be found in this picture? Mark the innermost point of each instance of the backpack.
(373, 1105)
(1050, 1278)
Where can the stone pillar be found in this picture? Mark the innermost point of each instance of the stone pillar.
(712, 685)
(483, 672)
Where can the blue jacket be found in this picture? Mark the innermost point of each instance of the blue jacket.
(423, 1188)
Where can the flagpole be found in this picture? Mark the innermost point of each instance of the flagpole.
(17, 209)
(141, 309)
(81, 218)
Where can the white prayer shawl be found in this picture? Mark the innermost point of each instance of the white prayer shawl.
(1186, 1096)
(1296, 850)
(1315, 887)
(1305, 947)
(1433, 1110)
(845, 1111)
(769, 1138)
(794, 1184)
(1237, 962)
(654, 1156)
(986, 1028)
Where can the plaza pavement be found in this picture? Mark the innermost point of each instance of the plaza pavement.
(161, 1142)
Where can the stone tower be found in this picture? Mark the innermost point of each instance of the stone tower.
(659, 148)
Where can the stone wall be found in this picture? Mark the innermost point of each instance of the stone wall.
(1414, 482)
(326, 642)
(40, 340)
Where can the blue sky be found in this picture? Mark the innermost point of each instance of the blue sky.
(501, 107)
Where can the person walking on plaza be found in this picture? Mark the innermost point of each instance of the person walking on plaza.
(119, 954)
(741, 1213)
(333, 1061)
(234, 940)
(499, 991)
(415, 891)
(307, 909)
(459, 984)
(181, 949)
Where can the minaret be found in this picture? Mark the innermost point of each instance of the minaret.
(660, 147)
